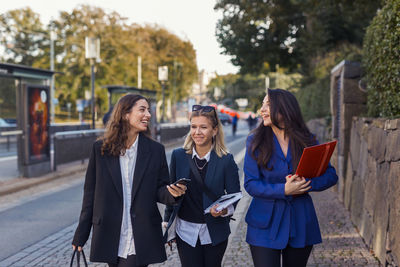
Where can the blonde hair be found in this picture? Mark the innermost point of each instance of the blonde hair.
(218, 141)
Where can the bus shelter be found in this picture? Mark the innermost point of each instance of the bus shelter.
(25, 106)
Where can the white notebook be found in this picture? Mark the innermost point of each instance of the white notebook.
(224, 201)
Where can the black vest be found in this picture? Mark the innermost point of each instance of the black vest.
(192, 206)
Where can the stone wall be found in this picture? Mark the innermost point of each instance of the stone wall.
(347, 100)
(372, 185)
(321, 129)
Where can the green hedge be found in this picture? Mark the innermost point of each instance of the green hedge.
(314, 99)
(381, 60)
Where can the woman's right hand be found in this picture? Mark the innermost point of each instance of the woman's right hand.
(296, 185)
(176, 190)
(74, 247)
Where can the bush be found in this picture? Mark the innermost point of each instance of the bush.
(314, 99)
(381, 60)
(314, 95)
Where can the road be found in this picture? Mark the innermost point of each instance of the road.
(32, 221)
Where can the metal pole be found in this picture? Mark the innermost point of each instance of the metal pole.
(92, 82)
(174, 94)
(52, 110)
(163, 101)
(139, 72)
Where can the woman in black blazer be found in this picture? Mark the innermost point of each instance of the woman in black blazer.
(202, 238)
(127, 175)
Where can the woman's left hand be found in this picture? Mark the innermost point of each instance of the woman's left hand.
(176, 190)
(215, 213)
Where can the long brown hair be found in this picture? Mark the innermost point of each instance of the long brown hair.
(283, 106)
(117, 127)
(218, 142)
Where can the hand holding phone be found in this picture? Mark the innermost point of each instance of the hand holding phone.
(183, 181)
(178, 188)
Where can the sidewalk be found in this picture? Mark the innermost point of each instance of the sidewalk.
(342, 245)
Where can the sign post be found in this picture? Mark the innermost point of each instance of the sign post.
(163, 78)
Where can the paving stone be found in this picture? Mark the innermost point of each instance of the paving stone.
(342, 245)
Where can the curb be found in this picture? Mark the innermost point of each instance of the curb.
(19, 184)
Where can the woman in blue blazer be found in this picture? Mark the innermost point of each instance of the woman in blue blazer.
(281, 218)
(202, 238)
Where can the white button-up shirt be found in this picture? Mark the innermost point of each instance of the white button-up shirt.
(127, 164)
(188, 231)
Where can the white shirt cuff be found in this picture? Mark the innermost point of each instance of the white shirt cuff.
(230, 212)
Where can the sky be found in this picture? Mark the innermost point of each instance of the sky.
(192, 20)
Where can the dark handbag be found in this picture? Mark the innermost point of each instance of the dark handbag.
(78, 256)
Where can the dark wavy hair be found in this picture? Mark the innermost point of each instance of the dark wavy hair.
(284, 107)
(117, 127)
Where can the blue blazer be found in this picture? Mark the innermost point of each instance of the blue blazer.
(275, 220)
(221, 177)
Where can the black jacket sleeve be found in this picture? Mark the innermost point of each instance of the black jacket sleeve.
(85, 220)
(163, 195)
(172, 168)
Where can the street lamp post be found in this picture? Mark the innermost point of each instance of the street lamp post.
(176, 66)
(163, 78)
(53, 37)
(92, 49)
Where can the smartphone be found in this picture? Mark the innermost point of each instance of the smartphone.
(183, 181)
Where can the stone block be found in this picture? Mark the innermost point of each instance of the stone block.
(379, 123)
(352, 93)
(376, 143)
(347, 113)
(348, 183)
(371, 186)
(381, 211)
(362, 168)
(394, 210)
(392, 152)
(366, 228)
(351, 69)
(392, 124)
(354, 145)
(357, 201)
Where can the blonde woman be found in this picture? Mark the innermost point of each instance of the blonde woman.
(202, 238)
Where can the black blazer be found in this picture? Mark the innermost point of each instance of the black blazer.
(222, 177)
(103, 204)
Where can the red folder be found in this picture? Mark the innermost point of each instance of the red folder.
(315, 160)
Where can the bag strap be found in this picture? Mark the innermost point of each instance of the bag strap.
(84, 258)
(170, 222)
(72, 258)
(78, 256)
(197, 176)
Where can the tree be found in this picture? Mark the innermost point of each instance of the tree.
(23, 36)
(259, 31)
(27, 42)
(121, 44)
(289, 33)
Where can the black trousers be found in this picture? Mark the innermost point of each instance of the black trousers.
(269, 257)
(130, 261)
(201, 255)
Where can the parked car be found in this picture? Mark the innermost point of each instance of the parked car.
(4, 123)
(224, 118)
